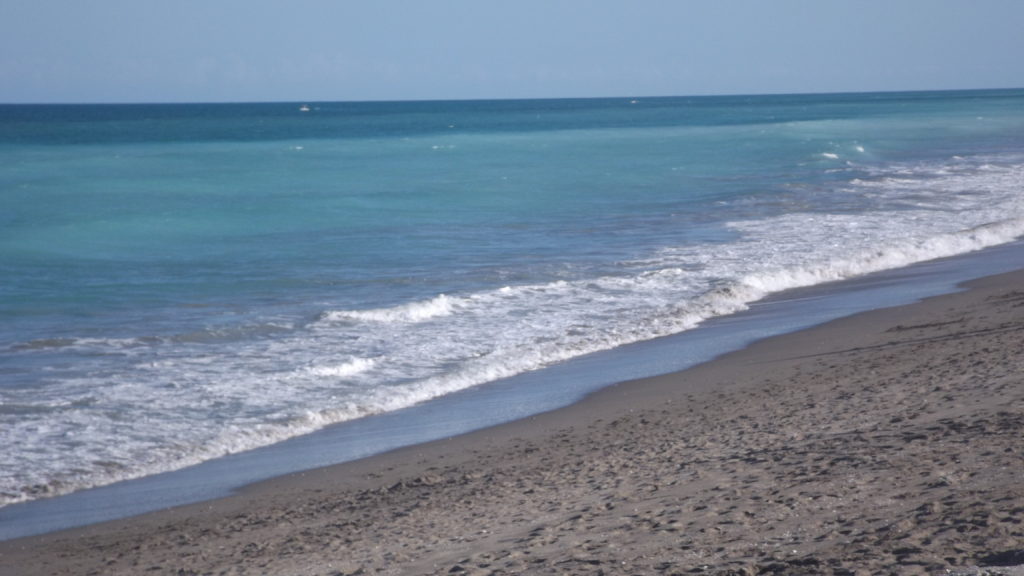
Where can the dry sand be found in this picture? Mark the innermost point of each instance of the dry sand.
(891, 442)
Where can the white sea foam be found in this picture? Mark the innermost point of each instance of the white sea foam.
(413, 312)
(344, 370)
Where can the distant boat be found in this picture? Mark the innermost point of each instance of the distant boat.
(304, 108)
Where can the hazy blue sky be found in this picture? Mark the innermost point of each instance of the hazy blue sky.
(255, 50)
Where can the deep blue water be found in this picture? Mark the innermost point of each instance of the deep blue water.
(185, 281)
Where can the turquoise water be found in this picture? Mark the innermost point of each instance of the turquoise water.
(187, 281)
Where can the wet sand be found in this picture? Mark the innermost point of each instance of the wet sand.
(891, 442)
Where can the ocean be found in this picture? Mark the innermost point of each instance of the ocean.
(185, 282)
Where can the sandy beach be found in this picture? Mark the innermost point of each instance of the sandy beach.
(891, 442)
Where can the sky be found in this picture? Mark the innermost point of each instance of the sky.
(345, 50)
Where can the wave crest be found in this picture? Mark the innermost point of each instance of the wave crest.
(405, 313)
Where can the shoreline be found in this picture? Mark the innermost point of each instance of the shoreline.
(506, 400)
(885, 439)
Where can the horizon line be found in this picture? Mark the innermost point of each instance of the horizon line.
(510, 99)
